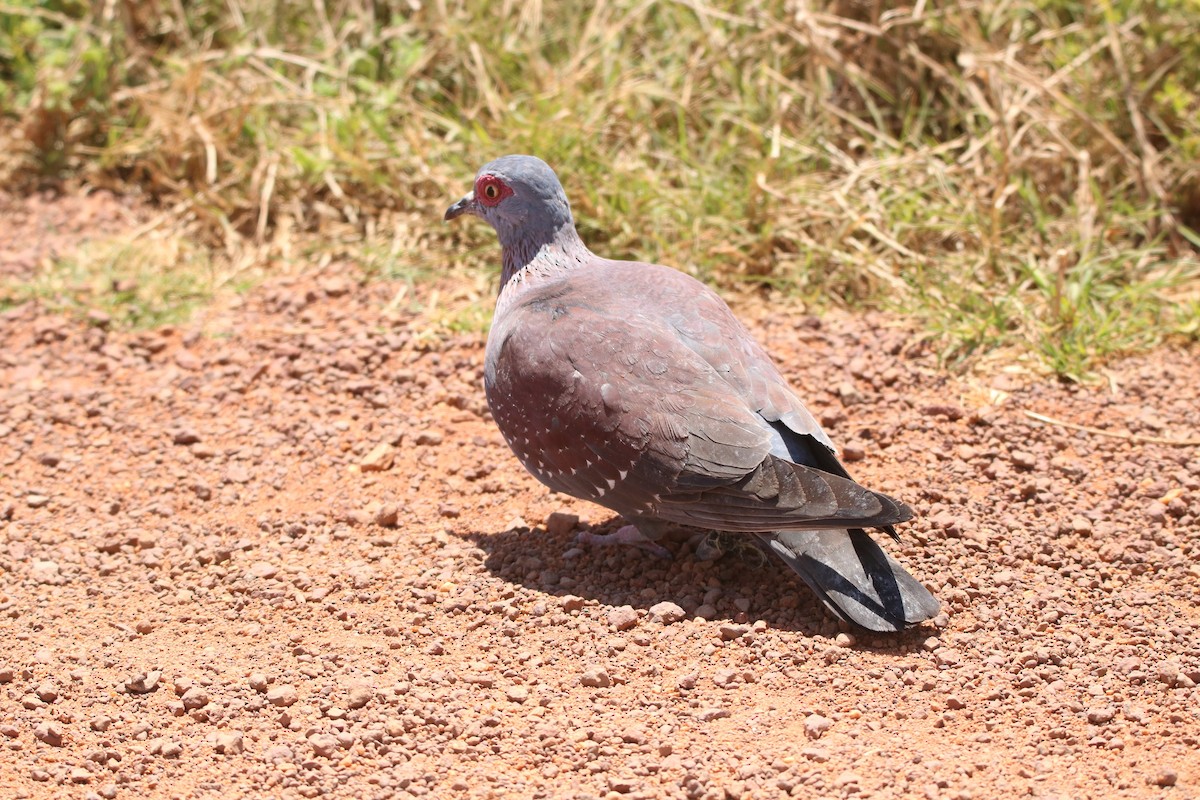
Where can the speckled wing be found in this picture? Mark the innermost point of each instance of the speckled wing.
(608, 402)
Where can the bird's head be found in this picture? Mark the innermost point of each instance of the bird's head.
(521, 198)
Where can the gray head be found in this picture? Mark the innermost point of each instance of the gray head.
(521, 198)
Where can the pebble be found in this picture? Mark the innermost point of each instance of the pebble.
(560, 523)
(387, 515)
(1164, 776)
(257, 681)
(623, 618)
(381, 458)
(816, 725)
(143, 683)
(279, 753)
(705, 612)
(229, 743)
(359, 695)
(263, 570)
(725, 678)
(46, 691)
(710, 714)
(237, 473)
(46, 572)
(50, 733)
(667, 613)
(1023, 459)
(323, 744)
(282, 696)
(193, 698)
(595, 677)
(570, 602)
(733, 630)
(517, 694)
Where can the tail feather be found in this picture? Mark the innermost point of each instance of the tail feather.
(854, 577)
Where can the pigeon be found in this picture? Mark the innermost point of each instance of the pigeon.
(634, 386)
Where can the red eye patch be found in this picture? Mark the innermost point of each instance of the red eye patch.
(490, 190)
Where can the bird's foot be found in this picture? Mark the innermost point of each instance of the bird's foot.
(626, 535)
(711, 546)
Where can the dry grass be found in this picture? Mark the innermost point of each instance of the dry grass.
(1013, 172)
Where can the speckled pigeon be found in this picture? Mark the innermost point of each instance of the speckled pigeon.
(633, 386)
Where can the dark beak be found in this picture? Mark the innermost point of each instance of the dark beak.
(464, 206)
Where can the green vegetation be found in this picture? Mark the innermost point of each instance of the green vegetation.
(133, 283)
(1011, 172)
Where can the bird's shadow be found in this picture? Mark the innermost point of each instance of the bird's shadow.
(743, 586)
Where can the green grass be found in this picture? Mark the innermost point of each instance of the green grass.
(134, 284)
(1019, 174)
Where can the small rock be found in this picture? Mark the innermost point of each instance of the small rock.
(667, 613)
(258, 681)
(237, 473)
(194, 697)
(47, 692)
(852, 453)
(80, 775)
(706, 611)
(278, 753)
(229, 743)
(623, 618)
(449, 511)
(570, 603)
(847, 779)
(143, 683)
(709, 714)
(323, 744)
(595, 677)
(381, 458)
(732, 630)
(844, 640)
(1164, 776)
(1023, 460)
(560, 523)
(359, 695)
(282, 696)
(516, 694)
(188, 360)
(45, 572)
(49, 733)
(36, 500)
(388, 515)
(687, 681)
(429, 437)
(725, 678)
(815, 726)
(334, 285)
(263, 570)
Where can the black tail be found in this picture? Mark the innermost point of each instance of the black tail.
(854, 577)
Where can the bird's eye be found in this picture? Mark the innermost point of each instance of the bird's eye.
(491, 190)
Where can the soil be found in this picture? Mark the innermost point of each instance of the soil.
(282, 551)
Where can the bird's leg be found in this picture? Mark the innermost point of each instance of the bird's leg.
(626, 535)
(711, 546)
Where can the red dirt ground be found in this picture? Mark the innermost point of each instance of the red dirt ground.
(283, 552)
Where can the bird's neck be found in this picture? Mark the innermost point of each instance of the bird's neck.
(530, 259)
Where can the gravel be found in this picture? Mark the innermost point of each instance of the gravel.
(190, 507)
